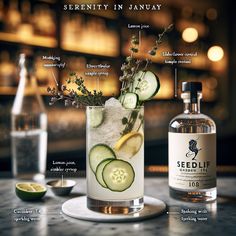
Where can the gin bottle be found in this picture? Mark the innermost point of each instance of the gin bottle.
(29, 126)
(192, 150)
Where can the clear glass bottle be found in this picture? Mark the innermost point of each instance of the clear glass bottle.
(29, 126)
(192, 150)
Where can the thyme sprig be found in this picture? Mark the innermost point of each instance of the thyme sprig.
(130, 68)
(83, 97)
(132, 65)
(153, 51)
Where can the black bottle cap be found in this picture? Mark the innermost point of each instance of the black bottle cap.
(193, 88)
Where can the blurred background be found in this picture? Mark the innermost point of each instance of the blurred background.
(81, 37)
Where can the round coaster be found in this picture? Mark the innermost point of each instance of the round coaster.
(77, 208)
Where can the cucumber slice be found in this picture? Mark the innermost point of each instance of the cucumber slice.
(121, 99)
(146, 85)
(130, 100)
(98, 153)
(99, 171)
(96, 115)
(118, 175)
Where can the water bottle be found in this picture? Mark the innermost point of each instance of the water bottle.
(28, 126)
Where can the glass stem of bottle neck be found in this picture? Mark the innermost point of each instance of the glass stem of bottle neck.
(192, 108)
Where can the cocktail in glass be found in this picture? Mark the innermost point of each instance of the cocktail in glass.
(115, 158)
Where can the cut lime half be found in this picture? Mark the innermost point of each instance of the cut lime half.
(30, 191)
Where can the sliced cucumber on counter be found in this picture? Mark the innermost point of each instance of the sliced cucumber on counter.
(98, 153)
(146, 85)
(118, 175)
(130, 100)
(99, 171)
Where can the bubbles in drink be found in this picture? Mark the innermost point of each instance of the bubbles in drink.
(29, 153)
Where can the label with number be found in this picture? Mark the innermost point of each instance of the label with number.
(192, 160)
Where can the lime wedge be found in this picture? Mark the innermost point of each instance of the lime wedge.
(30, 191)
(129, 144)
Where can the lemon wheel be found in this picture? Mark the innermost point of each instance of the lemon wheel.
(129, 144)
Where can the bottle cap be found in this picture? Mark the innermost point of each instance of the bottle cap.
(193, 88)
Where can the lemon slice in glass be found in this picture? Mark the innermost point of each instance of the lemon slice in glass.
(129, 145)
(30, 191)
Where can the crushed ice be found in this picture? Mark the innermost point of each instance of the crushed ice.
(113, 102)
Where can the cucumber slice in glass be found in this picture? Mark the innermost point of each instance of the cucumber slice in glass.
(99, 171)
(121, 98)
(118, 175)
(146, 85)
(130, 100)
(96, 115)
(98, 153)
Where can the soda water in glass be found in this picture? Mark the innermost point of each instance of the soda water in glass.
(115, 158)
(29, 126)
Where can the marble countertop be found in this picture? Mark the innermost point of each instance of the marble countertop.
(45, 217)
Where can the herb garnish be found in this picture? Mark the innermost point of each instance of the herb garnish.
(84, 97)
(73, 98)
(132, 64)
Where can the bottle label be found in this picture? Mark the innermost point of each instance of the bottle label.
(192, 160)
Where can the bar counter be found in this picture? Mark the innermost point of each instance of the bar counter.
(45, 217)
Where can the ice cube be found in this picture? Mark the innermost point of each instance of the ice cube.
(113, 102)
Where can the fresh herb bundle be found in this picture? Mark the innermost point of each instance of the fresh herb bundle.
(138, 84)
(83, 97)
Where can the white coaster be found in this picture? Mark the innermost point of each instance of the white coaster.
(77, 208)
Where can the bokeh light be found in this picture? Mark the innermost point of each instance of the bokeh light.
(190, 35)
(215, 53)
